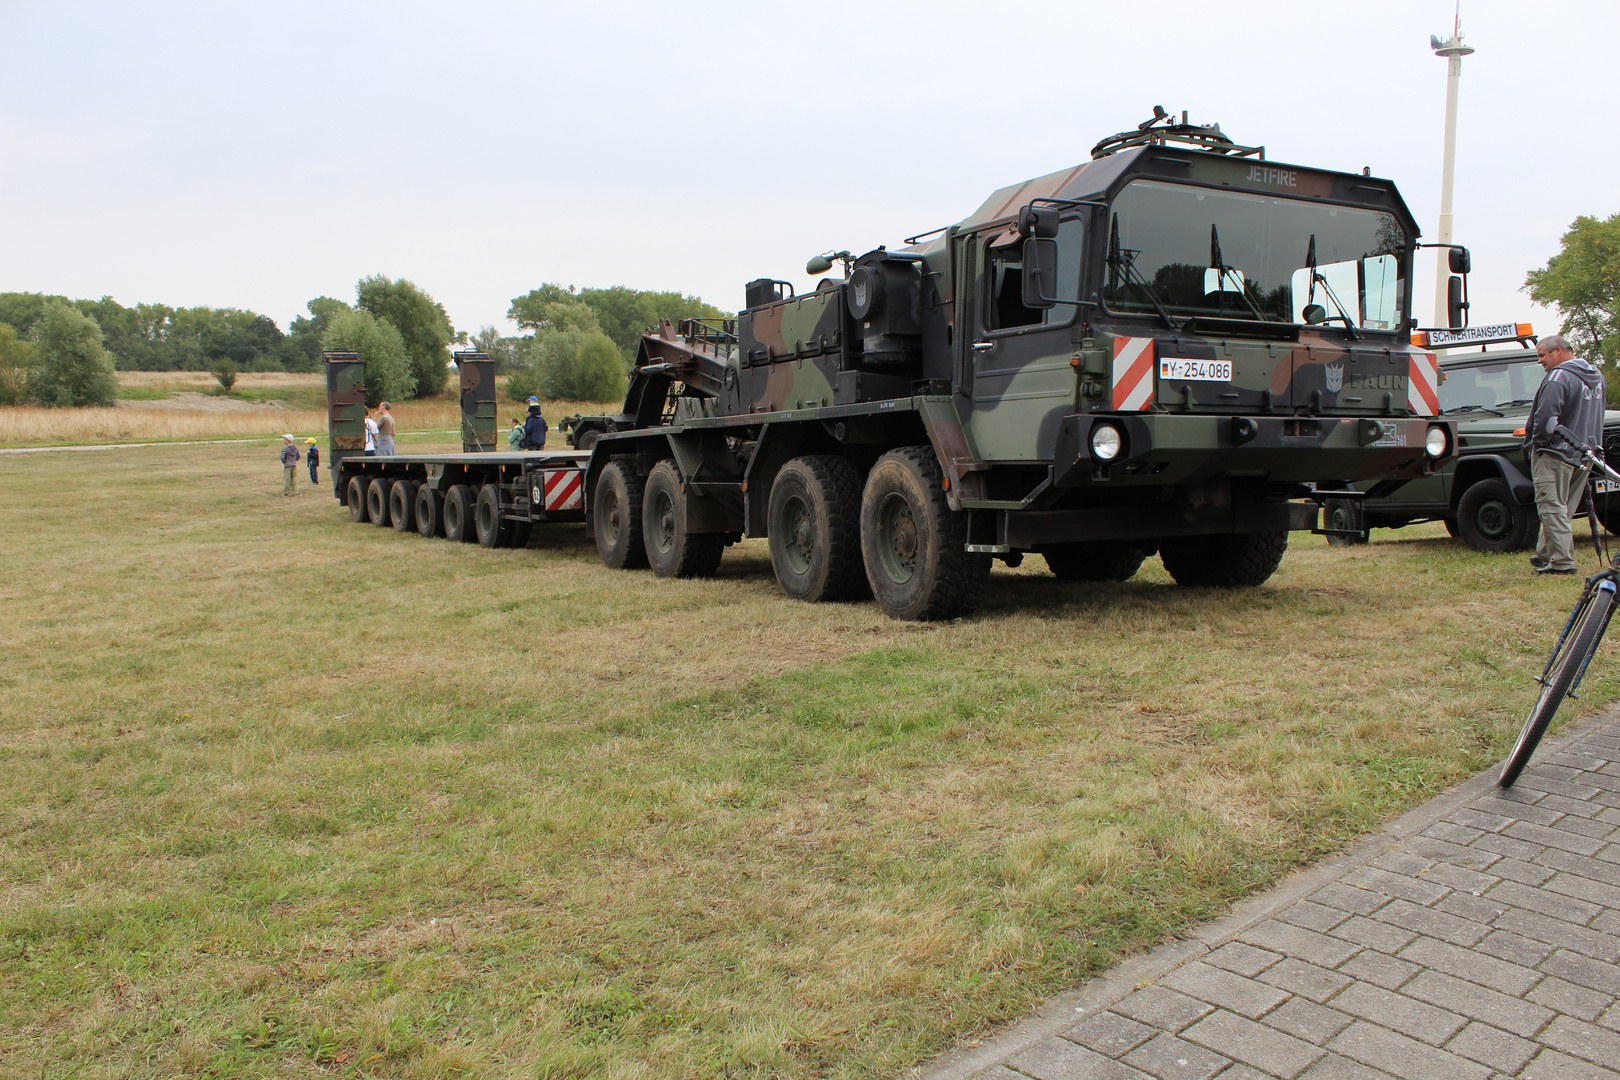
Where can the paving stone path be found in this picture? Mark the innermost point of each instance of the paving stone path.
(1475, 938)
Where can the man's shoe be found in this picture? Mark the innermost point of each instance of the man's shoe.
(1549, 571)
(1537, 561)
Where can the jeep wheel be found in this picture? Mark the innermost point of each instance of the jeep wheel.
(1490, 520)
(814, 525)
(913, 544)
(616, 516)
(672, 551)
(1346, 515)
(1232, 561)
(1098, 560)
(1452, 529)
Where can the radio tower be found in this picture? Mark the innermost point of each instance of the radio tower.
(1453, 50)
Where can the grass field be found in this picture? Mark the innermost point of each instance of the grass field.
(289, 796)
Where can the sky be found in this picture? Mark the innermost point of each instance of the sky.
(258, 155)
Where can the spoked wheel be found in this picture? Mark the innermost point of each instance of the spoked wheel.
(1569, 661)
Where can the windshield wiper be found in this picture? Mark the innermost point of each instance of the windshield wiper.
(1468, 408)
(1222, 270)
(1518, 401)
(1310, 262)
(1125, 260)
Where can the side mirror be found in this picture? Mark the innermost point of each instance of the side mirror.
(1456, 302)
(1040, 222)
(1314, 313)
(821, 264)
(1040, 273)
(1460, 261)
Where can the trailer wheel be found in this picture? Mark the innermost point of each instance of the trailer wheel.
(912, 543)
(494, 531)
(616, 516)
(1343, 514)
(429, 512)
(377, 503)
(588, 440)
(814, 525)
(1096, 560)
(357, 499)
(672, 550)
(458, 514)
(1231, 561)
(402, 505)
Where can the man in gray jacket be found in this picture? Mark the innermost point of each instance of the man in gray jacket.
(1571, 394)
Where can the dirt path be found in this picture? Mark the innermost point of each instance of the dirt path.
(193, 401)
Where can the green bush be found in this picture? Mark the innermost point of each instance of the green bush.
(568, 365)
(388, 368)
(225, 372)
(71, 366)
(14, 359)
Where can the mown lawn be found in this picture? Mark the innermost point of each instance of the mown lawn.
(286, 795)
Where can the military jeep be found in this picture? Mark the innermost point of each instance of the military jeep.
(1484, 495)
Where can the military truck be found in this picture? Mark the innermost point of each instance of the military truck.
(1176, 348)
(1484, 495)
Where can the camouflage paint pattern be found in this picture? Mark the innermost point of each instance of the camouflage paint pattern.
(345, 410)
(478, 402)
(790, 352)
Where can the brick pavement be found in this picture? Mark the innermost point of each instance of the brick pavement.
(1475, 938)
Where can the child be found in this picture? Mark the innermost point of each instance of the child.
(289, 465)
(514, 438)
(314, 458)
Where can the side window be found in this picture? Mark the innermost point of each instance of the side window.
(1004, 274)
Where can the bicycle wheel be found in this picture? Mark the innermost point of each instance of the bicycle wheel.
(1568, 662)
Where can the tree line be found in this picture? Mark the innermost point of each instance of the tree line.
(579, 343)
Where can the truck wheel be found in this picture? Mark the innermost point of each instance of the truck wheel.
(672, 551)
(588, 440)
(911, 542)
(1232, 561)
(1342, 514)
(377, 503)
(616, 516)
(1490, 520)
(429, 512)
(357, 499)
(814, 524)
(458, 514)
(402, 505)
(1098, 560)
(494, 531)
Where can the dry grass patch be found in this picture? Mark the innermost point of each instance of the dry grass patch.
(287, 794)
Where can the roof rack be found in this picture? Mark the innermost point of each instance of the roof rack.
(1162, 131)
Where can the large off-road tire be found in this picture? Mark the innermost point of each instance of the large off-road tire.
(813, 521)
(1567, 664)
(1096, 560)
(588, 440)
(494, 531)
(672, 549)
(377, 503)
(429, 513)
(402, 505)
(1491, 520)
(458, 514)
(616, 516)
(357, 499)
(1229, 561)
(912, 543)
(1343, 514)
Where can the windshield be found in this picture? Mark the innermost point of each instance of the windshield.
(1202, 251)
(1490, 386)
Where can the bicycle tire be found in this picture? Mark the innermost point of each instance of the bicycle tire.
(1568, 662)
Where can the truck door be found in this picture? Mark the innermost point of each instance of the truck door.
(1023, 382)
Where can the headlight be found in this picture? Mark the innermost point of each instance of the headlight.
(1106, 442)
(1437, 442)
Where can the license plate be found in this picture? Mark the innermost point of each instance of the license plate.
(1179, 370)
(1605, 485)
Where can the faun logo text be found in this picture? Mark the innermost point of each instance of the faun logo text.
(1378, 382)
(1259, 174)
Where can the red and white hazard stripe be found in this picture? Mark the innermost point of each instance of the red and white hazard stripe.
(1423, 384)
(565, 489)
(1133, 374)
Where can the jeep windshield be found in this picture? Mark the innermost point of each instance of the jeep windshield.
(1508, 384)
(1212, 253)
